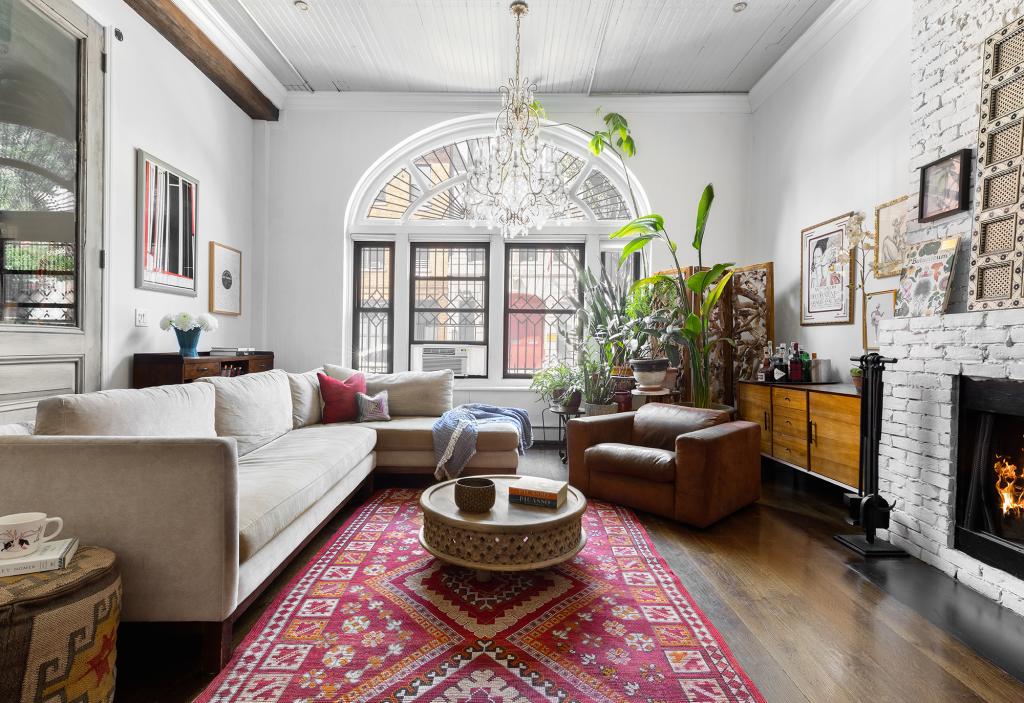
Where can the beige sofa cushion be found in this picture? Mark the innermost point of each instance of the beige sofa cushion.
(422, 461)
(307, 407)
(185, 410)
(281, 480)
(16, 428)
(415, 434)
(254, 408)
(410, 393)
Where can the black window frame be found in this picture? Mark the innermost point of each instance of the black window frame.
(636, 261)
(580, 250)
(357, 280)
(414, 247)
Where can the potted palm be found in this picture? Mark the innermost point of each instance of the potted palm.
(559, 386)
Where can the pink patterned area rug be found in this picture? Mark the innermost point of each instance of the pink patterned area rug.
(375, 618)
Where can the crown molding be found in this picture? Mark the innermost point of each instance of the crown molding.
(555, 103)
(817, 36)
(234, 47)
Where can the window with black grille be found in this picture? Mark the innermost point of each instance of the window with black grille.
(627, 273)
(37, 283)
(374, 319)
(448, 301)
(541, 285)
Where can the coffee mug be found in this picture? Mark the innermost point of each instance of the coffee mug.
(22, 533)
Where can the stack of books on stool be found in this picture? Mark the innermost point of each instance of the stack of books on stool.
(541, 492)
(49, 556)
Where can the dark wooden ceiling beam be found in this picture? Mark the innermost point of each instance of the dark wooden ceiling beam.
(168, 19)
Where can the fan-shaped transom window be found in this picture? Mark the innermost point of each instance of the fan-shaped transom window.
(431, 187)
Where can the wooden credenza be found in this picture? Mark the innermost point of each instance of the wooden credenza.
(164, 369)
(814, 428)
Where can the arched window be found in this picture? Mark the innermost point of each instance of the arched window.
(433, 289)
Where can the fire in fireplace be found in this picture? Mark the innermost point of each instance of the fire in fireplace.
(990, 472)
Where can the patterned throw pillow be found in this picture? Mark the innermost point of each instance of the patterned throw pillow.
(373, 407)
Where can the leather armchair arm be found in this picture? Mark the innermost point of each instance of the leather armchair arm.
(718, 471)
(585, 432)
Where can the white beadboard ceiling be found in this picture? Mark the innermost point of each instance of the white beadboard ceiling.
(569, 46)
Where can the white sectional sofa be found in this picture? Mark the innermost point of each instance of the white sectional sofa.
(205, 490)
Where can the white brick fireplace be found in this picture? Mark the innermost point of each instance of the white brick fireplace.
(918, 456)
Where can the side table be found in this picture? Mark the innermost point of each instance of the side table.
(58, 631)
(563, 415)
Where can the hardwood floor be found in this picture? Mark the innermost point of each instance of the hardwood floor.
(807, 619)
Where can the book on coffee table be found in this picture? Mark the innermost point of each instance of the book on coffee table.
(50, 556)
(533, 490)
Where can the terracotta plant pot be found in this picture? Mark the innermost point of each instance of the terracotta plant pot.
(858, 383)
(649, 373)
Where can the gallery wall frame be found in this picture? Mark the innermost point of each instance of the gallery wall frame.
(945, 186)
(890, 220)
(826, 296)
(877, 306)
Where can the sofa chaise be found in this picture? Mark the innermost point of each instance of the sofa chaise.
(206, 490)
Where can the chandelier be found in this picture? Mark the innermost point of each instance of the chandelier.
(515, 181)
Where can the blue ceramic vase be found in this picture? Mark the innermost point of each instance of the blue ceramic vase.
(188, 341)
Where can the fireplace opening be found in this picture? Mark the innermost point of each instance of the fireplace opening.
(990, 472)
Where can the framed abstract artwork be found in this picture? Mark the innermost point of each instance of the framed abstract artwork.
(890, 230)
(945, 187)
(225, 279)
(879, 305)
(167, 212)
(826, 270)
(924, 285)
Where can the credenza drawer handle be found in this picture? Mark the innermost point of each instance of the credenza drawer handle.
(203, 368)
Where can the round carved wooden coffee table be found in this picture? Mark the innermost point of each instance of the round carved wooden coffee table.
(510, 537)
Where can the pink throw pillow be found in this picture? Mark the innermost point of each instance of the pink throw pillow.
(339, 397)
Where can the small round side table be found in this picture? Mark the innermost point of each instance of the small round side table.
(563, 415)
(58, 631)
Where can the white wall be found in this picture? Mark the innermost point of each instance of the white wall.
(833, 137)
(160, 102)
(322, 146)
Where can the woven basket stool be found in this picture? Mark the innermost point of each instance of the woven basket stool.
(58, 631)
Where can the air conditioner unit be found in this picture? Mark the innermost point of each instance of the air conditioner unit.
(445, 356)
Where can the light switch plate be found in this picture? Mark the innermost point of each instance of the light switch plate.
(141, 317)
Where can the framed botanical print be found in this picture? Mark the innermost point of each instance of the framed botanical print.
(924, 285)
(225, 279)
(167, 214)
(878, 306)
(826, 270)
(890, 233)
(945, 187)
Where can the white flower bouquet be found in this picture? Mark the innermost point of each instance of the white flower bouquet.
(186, 321)
(188, 327)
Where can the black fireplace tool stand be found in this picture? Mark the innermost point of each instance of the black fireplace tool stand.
(866, 507)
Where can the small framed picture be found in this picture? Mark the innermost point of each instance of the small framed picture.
(890, 233)
(878, 306)
(945, 186)
(225, 279)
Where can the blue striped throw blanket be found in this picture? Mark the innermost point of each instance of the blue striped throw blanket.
(455, 434)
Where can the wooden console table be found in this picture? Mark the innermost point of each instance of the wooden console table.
(164, 369)
(814, 428)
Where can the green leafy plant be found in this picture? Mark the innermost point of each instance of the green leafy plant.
(856, 371)
(598, 386)
(555, 382)
(688, 321)
(603, 315)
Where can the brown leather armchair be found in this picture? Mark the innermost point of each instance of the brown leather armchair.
(688, 464)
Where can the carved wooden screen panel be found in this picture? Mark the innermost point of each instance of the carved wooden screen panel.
(997, 242)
